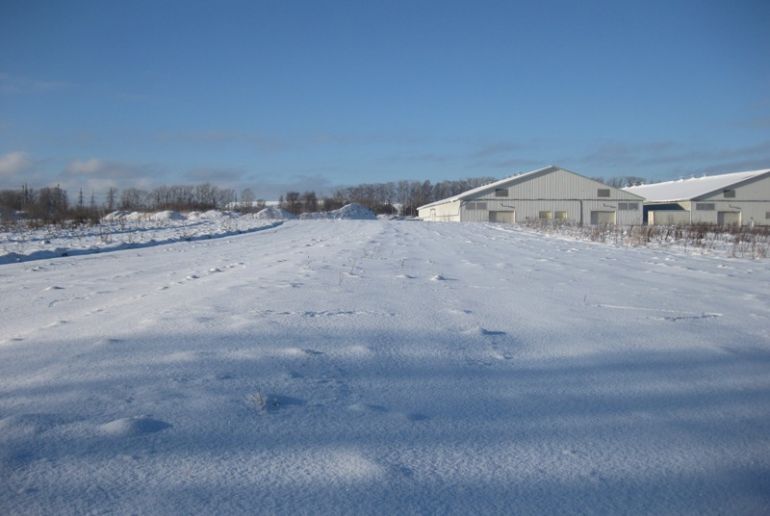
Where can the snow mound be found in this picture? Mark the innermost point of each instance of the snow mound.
(132, 426)
(350, 211)
(316, 215)
(165, 215)
(31, 424)
(211, 215)
(115, 216)
(136, 216)
(273, 213)
(353, 211)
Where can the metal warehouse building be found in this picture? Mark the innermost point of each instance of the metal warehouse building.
(740, 198)
(550, 193)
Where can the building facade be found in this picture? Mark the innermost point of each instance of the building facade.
(550, 194)
(739, 198)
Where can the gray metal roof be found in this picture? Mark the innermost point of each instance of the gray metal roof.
(686, 189)
(507, 182)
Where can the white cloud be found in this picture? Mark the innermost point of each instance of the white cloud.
(14, 163)
(88, 167)
(14, 84)
(97, 175)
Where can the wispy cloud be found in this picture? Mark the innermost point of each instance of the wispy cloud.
(256, 140)
(515, 164)
(97, 175)
(424, 157)
(215, 175)
(16, 84)
(268, 189)
(277, 141)
(669, 158)
(759, 122)
(498, 148)
(19, 167)
(13, 163)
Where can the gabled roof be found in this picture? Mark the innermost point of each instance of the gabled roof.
(687, 189)
(508, 181)
(490, 186)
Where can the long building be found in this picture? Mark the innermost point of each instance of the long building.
(550, 193)
(739, 198)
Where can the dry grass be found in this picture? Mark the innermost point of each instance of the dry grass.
(734, 241)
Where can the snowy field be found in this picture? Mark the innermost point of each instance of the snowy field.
(357, 367)
(126, 231)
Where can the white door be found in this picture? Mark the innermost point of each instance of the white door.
(728, 218)
(599, 218)
(506, 217)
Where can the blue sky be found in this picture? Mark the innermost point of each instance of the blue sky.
(307, 95)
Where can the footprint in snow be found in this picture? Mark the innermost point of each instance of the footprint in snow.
(478, 330)
(109, 342)
(32, 424)
(133, 426)
(416, 416)
(269, 403)
(401, 470)
(500, 355)
(367, 407)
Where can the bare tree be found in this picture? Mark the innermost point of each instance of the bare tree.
(247, 196)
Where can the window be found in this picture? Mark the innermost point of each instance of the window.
(705, 206)
(470, 206)
(561, 215)
(481, 206)
(603, 192)
(501, 192)
(729, 194)
(767, 215)
(628, 206)
(545, 215)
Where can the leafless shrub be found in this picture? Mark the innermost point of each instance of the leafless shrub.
(737, 241)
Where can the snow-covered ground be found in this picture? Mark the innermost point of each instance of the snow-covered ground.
(123, 230)
(385, 367)
(131, 230)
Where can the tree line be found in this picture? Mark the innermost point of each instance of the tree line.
(402, 197)
(395, 197)
(52, 204)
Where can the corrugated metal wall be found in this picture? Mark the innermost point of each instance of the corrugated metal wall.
(557, 191)
(445, 212)
(751, 202)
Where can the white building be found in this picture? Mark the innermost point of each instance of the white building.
(550, 193)
(740, 198)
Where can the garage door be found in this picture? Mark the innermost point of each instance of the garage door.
(728, 218)
(602, 217)
(508, 217)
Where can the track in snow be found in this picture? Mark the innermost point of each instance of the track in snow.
(395, 367)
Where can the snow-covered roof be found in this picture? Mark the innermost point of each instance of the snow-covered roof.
(503, 182)
(490, 186)
(686, 189)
